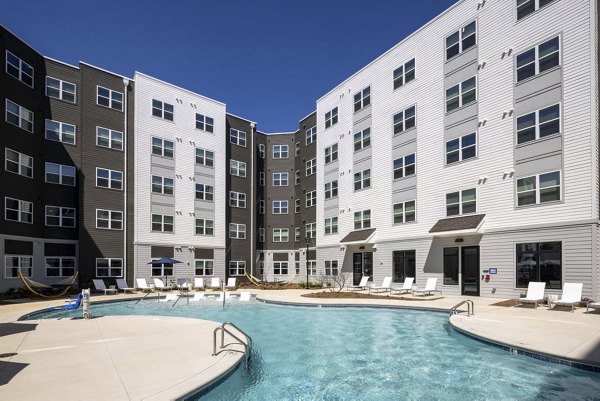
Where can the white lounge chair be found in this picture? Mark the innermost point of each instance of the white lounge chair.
(571, 295)
(100, 286)
(429, 287)
(215, 283)
(182, 284)
(231, 283)
(245, 296)
(593, 305)
(159, 285)
(122, 285)
(169, 298)
(199, 296)
(406, 287)
(385, 286)
(142, 285)
(361, 286)
(198, 283)
(535, 293)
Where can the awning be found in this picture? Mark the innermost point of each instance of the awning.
(358, 237)
(465, 225)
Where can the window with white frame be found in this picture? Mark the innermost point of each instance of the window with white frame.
(204, 267)
(461, 148)
(538, 124)
(162, 223)
(280, 151)
(205, 123)
(19, 69)
(331, 117)
(162, 110)
(404, 166)
(261, 206)
(297, 267)
(112, 179)
(13, 264)
(362, 219)
(205, 157)
(312, 267)
(311, 135)
(237, 137)
(109, 98)
(57, 216)
(311, 230)
(18, 163)
(311, 167)
(311, 198)
(60, 174)
(538, 189)
(281, 235)
(331, 268)
(237, 231)
(261, 268)
(362, 180)
(162, 185)
(60, 132)
(59, 266)
(297, 179)
(261, 150)
(461, 40)
(404, 212)
(362, 99)
(331, 189)
(461, 94)
(331, 153)
(108, 138)
(237, 199)
(461, 202)
(362, 139)
(109, 219)
(19, 116)
(237, 168)
(297, 206)
(204, 192)
(237, 268)
(405, 120)
(526, 7)
(261, 235)
(538, 59)
(60, 89)
(280, 179)
(280, 207)
(297, 234)
(297, 152)
(331, 225)
(261, 178)
(18, 210)
(162, 147)
(280, 268)
(205, 227)
(404, 74)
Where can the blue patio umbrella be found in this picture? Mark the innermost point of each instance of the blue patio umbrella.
(163, 261)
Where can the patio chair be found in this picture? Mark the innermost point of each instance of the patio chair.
(198, 283)
(169, 298)
(231, 283)
(122, 285)
(100, 286)
(385, 285)
(142, 285)
(429, 287)
(182, 284)
(199, 296)
(593, 305)
(406, 287)
(361, 286)
(571, 295)
(159, 285)
(72, 304)
(215, 283)
(245, 296)
(535, 293)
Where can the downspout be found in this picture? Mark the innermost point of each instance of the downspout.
(252, 260)
(125, 84)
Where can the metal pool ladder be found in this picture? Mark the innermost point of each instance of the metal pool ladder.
(470, 307)
(223, 329)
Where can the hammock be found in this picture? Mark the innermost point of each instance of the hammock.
(28, 283)
(259, 283)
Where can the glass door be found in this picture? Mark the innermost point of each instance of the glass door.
(357, 267)
(470, 270)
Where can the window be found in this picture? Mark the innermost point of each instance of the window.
(60, 174)
(204, 123)
(162, 110)
(311, 265)
(538, 124)
(311, 198)
(461, 202)
(331, 118)
(461, 94)
(362, 179)
(281, 235)
(539, 59)
(162, 147)
(57, 266)
(331, 153)
(331, 225)
(311, 167)
(18, 210)
(362, 139)
(237, 231)
(237, 137)
(162, 269)
(297, 267)
(403, 265)
(18, 163)
(461, 40)
(331, 267)
(461, 148)
(162, 223)
(404, 166)
(114, 179)
(109, 219)
(204, 267)
(404, 74)
(297, 179)
(60, 132)
(15, 264)
(404, 212)
(540, 188)
(205, 227)
(331, 189)
(204, 192)
(108, 138)
(280, 179)
(261, 235)
(261, 268)
(261, 206)
(205, 157)
(526, 7)
(280, 151)
(297, 148)
(311, 230)
(280, 207)
(280, 268)
(297, 206)
(311, 134)
(19, 69)
(451, 266)
(362, 99)
(162, 185)
(109, 98)
(404, 120)
(57, 216)
(237, 199)
(59, 89)
(237, 168)
(362, 219)
(19, 116)
(237, 268)
(261, 178)
(297, 234)
(261, 150)
(539, 261)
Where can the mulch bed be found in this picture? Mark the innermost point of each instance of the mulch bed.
(358, 295)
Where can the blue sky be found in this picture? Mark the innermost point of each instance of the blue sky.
(268, 60)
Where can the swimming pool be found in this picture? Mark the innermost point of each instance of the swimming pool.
(303, 353)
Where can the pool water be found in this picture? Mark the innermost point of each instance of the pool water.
(303, 353)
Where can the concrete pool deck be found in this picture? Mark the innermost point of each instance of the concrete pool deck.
(160, 358)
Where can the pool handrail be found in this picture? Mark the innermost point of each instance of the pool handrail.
(247, 345)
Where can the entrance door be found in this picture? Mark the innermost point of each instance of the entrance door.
(357, 267)
(470, 270)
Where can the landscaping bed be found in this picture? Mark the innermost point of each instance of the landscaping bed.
(364, 295)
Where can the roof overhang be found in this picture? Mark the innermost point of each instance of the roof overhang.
(458, 226)
(359, 237)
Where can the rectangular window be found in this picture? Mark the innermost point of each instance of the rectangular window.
(261, 206)
(205, 227)
(404, 74)
(281, 235)
(261, 178)
(162, 185)
(162, 147)
(331, 189)
(237, 137)
(19, 69)
(331, 268)
(311, 135)
(537, 189)
(404, 166)
(297, 179)
(297, 234)
(17, 263)
(237, 168)
(362, 139)
(311, 230)
(280, 179)
(312, 267)
(280, 207)
(526, 7)
(237, 231)
(461, 202)
(331, 118)
(261, 235)
(60, 174)
(461, 94)
(538, 59)
(162, 223)
(311, 167)
(280, 151)
(108, 138)
(237, 199)
(109, 219)
(311, 198)
(60, 89)
(109, 98)
(362, 179)
(205, 157)
(404, 212)
(111, 179)
(261, 150)
(538, 124)
(405, 120)
(280, 268)
(403, 265)
(462, 148)
(204, 267)
(18, 163)
(237, 268)
(162, 269)
(461, 40)
(331, 153)
(57, 216)
(362, 219)
(362, 99)
(451, 266)
(204, 192)
(18, 210)
(162, 110)
(297, 206)
(60, 132)
(331, 225)
(297, 152)
(539, 261)
(57, 266)
(205, 123)
(19, 116)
